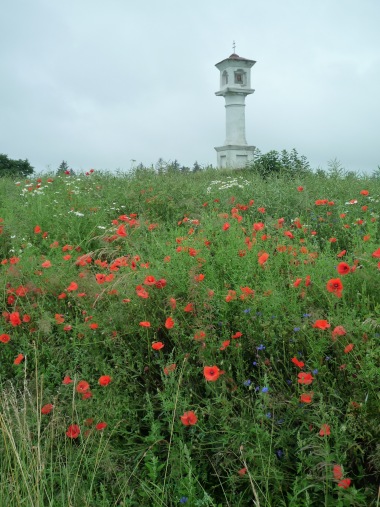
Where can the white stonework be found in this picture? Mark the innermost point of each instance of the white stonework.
(235, 85)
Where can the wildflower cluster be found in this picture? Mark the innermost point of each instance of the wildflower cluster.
(199, 323)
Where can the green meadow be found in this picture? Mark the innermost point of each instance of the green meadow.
(207, 339)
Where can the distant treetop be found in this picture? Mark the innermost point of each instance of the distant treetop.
(14, 168)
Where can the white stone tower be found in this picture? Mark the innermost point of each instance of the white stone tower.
(235, 85)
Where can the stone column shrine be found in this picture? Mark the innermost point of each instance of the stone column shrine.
(235, 85)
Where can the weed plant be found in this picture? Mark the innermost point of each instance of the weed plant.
(209, 339)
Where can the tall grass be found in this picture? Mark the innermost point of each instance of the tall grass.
(119, 294)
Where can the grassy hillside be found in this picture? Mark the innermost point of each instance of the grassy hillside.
(209, 339)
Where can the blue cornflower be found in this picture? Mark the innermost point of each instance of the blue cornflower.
(279, 453)
(184, 499)
(268, 415)
(254, 363)
(261, 347)
(247, 310)
(247, 383)
(265, 389)
(296, 329)
(315, 371)
(306, 315)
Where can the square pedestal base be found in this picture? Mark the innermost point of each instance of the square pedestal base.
(234, 156)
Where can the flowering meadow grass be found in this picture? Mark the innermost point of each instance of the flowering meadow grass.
(209, 339)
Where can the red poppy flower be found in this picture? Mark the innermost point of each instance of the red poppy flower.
(120, 231)
(189, 418)
(149, 280)
(238, 334)
(199, 278)
(324, 431)
(100, 278)
(200, 335)
(242, 471)
(37, 229)
(73, 286)
(73, 431)
(18, 359)
(376, 253)
(300, 364)
(157, 345)
(14, 318)
(225, 344)
(364, 192)
(170, 368)
(211, 373)
(67, 380)
(160, 284)
(335, 286)
(46, 264)
(100, 426)
(189, 307)
(337, 472)
(59, 319)
(305, 378)
(306, 397)
(338, 331)
(343, 268)
(104, 380)
(297, 282)
(169, 323)
(348, 348)
(46, 409)
(82, 386)
(141, 292)
(231, 296)
(247, 291)
(263, 258)
(299, 189)
(258, 226)
(145, 323)
(4, 338)
(344, 483)
(94, 325)
(226, 226)
(321, 324)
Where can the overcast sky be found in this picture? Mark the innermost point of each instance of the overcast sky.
(100, 83)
